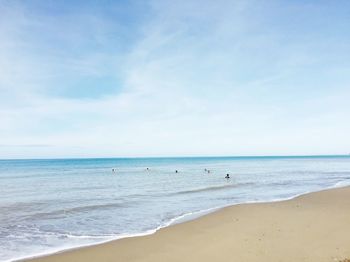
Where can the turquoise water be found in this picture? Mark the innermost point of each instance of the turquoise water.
(52, 205)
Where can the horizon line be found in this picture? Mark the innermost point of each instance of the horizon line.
(168, 157)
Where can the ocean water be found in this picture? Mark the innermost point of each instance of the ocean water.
(52, 205)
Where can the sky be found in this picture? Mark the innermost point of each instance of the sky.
(174, 78)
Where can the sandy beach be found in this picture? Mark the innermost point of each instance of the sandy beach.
(312, 227)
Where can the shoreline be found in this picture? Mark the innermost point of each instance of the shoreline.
(215, 211)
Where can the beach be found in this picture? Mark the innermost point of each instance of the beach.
(311, 227)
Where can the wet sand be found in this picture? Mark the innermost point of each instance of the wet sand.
(313, 227)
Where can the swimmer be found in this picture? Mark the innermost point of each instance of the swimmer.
(227, 176)
(176, 171)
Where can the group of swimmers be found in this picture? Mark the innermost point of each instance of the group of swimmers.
(176, 171)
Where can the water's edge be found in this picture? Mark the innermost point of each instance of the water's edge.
(173, 221)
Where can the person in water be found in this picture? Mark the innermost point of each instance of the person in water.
(176, 171)
(227, 176)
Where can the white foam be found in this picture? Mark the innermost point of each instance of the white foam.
(71, 247)
(343, 183)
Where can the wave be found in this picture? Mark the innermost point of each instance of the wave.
(101, 239)
(342, 183)
(78, 209)
(210, 188)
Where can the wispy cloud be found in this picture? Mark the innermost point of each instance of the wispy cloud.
(163, 78)
(27, 145)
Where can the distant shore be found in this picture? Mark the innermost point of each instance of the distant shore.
(312, 227)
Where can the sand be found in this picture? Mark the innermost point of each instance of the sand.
(313, 227)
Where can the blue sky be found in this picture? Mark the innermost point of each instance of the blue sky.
(174, 78)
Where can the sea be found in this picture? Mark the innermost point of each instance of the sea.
(51, 205)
